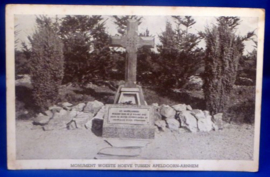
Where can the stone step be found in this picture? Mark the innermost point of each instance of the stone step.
(120, 152)
(127, 143)
(106, 157)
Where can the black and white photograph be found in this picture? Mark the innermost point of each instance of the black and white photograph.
(121, 88)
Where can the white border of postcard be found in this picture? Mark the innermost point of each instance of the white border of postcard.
(219, 165)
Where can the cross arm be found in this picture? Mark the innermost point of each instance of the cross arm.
(116, 41)
(146, 41)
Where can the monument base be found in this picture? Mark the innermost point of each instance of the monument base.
(130, 95)
(128, 132)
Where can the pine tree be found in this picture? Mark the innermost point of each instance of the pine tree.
(179, 52)
(168, 55)
(247, 68)
(121, 22)
(223, 51)
(46, 63)
(86, 48)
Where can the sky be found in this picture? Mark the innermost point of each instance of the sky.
(26, 25)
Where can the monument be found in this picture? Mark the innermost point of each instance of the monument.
(129, 116)
(130, 92)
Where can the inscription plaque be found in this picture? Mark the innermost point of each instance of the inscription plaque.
(128, 116)
(128, 121)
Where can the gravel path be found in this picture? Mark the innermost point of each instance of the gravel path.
(233, 143)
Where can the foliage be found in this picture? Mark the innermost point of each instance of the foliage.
(181, 57)
(242, 105)
(121, 22)
(16, 39)
(21, 63)
(247, 68)
(46, 63)
(86, 48)
(223, 52)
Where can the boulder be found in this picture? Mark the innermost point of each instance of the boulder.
(55, 108)
(83, 115)
(204, 121)
(93, 107)
(183, 130)
(88, 124)
(180, 107)
(199, 114)
(61, 113)
(156, 106)
(189, 121)
(82, 118)
(80, 122)
(156, 129)
(161, 124)
(206, 113)
(72, 125)
(49, 113)
(79, 107)
(205, 125)
(100, 114)
(218, 120)
(59, 121)
(157, 116)
(167, 111)
(173, 124)
(189, 108)
(66, 104)
(73, 112)
(41, 119)
(215, 127)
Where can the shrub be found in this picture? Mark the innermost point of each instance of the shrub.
(223, 52)
(46, 64)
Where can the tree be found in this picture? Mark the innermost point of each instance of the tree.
(168, 54)
(223, 51)
(86, 48)
(179, 52)
(21, 58)
(247, 68)
(121, 22)
(46, 63)
(149, 65)
(21, 63)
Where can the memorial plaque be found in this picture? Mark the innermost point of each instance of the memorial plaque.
(128, 121)
(138, 116)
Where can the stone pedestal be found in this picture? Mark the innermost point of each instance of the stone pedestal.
(130, 95)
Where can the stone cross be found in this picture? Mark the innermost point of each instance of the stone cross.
(132, 41)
